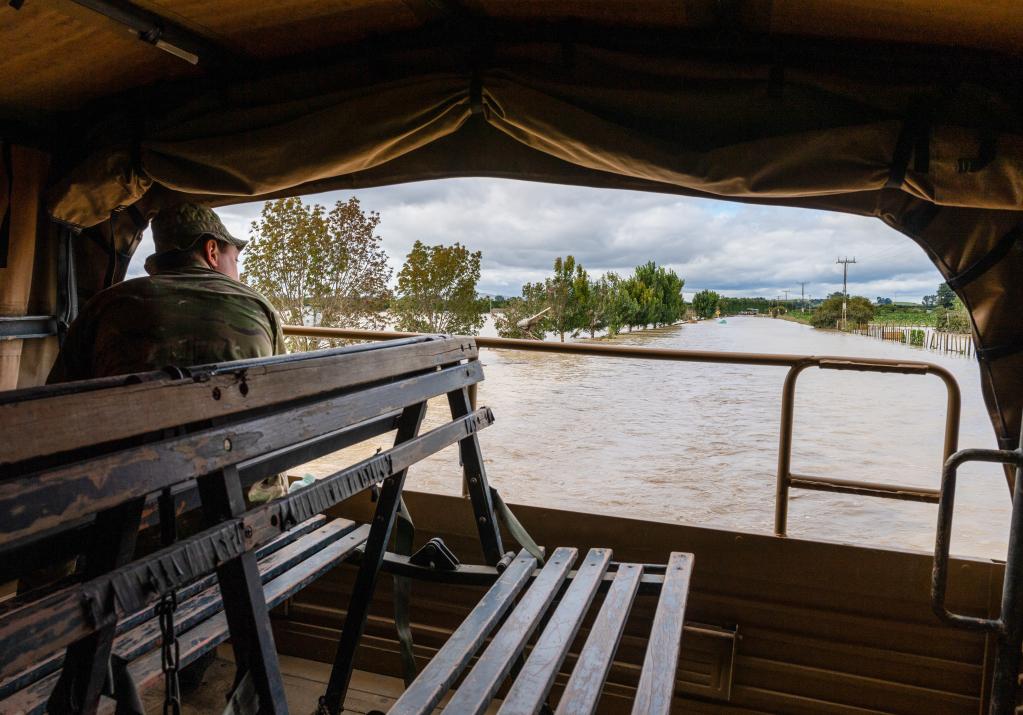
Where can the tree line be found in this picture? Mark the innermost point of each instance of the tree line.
(328, 267)
(570, 302)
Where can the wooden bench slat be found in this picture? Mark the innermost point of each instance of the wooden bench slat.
(657, 681)
(37, 502)
(61, 418)
(53, 663)
(140, 639)
(146, 670)
(529, 691)
(482, 683)
(60, 618)
(587, 680)
(442, 671)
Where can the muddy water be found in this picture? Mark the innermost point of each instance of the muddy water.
(697, 443)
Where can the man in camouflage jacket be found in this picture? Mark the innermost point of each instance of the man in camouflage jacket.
(191, 310)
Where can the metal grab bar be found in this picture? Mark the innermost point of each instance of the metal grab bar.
(787, 480)
(796, 364)
(1008, 627)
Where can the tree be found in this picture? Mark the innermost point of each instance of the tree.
(620, 304)
(319, 268)
(437, 290)
(859, 311)
(705, 303)
(564, 314)
(517, 310)
(946, 297)
(929, 301)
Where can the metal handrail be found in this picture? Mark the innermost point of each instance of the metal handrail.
(796, 364)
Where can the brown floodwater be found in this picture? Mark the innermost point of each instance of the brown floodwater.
(691, 443)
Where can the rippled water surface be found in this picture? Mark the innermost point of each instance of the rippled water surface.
(698, 443)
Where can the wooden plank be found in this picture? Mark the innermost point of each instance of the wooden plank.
(481, 684)
(529, 691)
(657, 682)
(63, 617)
(146, 670)
(71, 420)
(440, 674)
(36, 502)
(68, 539)
(39, 670)
(144, 637)
(582, 693)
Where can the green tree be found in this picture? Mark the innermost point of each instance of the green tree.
(705, 303)
(565, 313)
(945, 296)
(512, 322)
(319, 268)
(620, 305)
(437, 290)
(955, 319)
(828, 315)
(640, 299)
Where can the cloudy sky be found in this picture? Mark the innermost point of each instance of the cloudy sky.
(732, 248)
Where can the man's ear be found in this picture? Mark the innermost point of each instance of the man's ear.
(211, 252)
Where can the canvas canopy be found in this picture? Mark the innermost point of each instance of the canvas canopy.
(927, 139)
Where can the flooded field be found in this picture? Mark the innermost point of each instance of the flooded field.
(697, 443)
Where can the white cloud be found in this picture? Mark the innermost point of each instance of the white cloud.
(736, 249)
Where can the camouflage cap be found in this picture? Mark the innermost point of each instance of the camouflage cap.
(177, 228)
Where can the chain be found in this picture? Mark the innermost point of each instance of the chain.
(170, 654)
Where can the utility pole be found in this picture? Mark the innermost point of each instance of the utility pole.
(802, 296)
(845, 288)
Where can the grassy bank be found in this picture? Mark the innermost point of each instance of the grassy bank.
(803, 318)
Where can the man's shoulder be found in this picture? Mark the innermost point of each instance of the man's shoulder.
(176, 283)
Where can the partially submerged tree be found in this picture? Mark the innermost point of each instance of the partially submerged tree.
(828, 315)
(319, 268)
(705, 303)
(525, 317)
(564, 311)
(437, 290)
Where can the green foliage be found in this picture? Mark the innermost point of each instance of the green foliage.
(916, 337)
(319, 268)
(945, 296)
(907, 315)
(859, 312)
(517, 310)
(575, 303)
(437, 291)
(564, 314)
(705, 303)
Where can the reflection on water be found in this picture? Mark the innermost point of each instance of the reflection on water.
(697, 443)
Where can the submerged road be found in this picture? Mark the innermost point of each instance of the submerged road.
(697, 443)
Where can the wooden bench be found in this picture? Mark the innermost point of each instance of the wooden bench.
(86, 465)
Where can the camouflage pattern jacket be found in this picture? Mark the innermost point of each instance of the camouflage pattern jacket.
(181, 317)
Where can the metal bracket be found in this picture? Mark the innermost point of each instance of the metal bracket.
(435, 554)
(25, 327)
